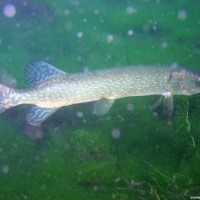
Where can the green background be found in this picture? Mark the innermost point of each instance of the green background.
(78, 158)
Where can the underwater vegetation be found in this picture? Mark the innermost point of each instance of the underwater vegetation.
(105, 158)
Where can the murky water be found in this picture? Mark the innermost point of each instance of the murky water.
(129, 153)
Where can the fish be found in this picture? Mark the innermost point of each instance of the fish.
(52, 88)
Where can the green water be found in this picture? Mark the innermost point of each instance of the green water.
(77, 158)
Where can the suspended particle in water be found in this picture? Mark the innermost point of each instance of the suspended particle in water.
(182, 14)
(79, 114)
(5, 169)
(164, 45)
(116, 133)
(79, 59)
(110, 38)
(130, 32)
(9, 10)
(69, 26)
(130, 10)
(114, 196)
(96, 11)
(155, 114)
(67, 12)
(129, 106)
(80, 34)
(95, 188)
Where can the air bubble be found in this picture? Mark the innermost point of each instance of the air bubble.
(9, 10)
(130, 32)
(182, 14)
(164, 45)
(129, 106)
(110, 38)
(80, 34)
(130, 10)
(116, 133)
(79, 114)
(5, 169)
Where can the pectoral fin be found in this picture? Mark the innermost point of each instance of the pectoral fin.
(167, 100)
(157, 103)
(168, 104)
(102, 106)
(37, 115)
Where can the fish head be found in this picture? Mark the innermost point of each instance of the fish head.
(184, 82)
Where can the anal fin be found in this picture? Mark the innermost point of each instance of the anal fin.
(37, 115)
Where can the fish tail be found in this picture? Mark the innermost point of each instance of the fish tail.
(5, 98)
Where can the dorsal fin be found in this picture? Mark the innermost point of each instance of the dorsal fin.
(38, 71)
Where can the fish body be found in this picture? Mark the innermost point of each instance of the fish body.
(51, 88)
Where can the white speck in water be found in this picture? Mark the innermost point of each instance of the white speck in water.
(114, 196)
(129, 106)
(155, 114)
(108, 57)
(24, 196)
(96, 11)
(79, 114)
(95, 188)
(9, 10)
(116, 133)
(164, 45)
(85, 20)
(79, 59)
(80, 173)
(69, 26)
(130, 10)
(169, 122)
(110, 38)
(67, 12)
(94, 28)
(182, 14)
(18, 25)
(101, 21)
(5, 169)
(154, 27)
(130, 32)
(120, 117)
(80, 34)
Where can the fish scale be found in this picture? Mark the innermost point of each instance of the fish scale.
(52, 88)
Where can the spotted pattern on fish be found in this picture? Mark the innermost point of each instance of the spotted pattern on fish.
(52, 88)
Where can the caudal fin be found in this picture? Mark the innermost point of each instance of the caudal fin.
(5, 102)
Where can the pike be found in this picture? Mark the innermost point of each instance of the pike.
(52, 88)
